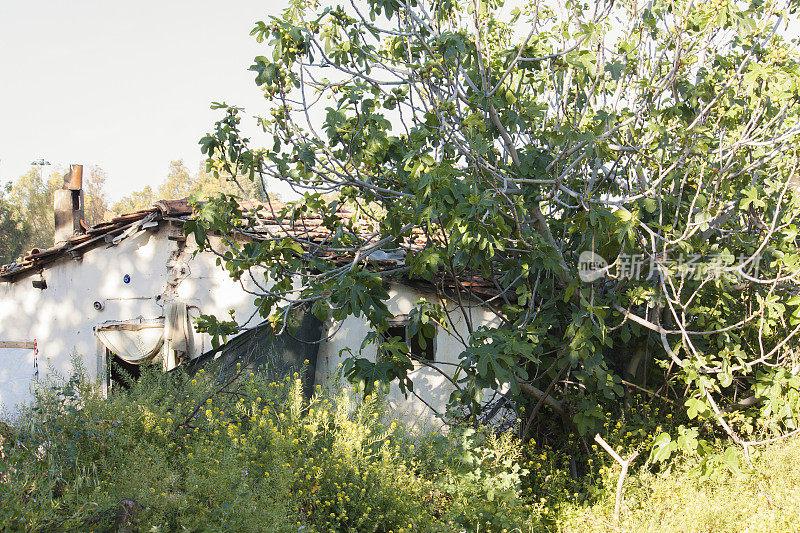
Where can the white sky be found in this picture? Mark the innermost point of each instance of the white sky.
(123, 85)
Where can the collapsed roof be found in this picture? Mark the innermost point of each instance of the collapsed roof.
(307, 229)
(110, 232)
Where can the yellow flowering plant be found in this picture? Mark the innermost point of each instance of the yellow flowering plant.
(249, 452)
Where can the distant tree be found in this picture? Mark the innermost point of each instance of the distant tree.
(30, 198)
(180, 183)
(136, 201)
(13, 228)
(95, 199)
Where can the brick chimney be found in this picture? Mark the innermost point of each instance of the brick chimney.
(68, 205)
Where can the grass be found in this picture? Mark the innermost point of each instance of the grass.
(765, 498)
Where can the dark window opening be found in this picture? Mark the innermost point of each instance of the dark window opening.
(415, 343)
(420, 353)
(121, 374)
(397, 330)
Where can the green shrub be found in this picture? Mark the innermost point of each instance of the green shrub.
(246, 453)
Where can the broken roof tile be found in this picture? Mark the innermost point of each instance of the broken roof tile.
(307, 228)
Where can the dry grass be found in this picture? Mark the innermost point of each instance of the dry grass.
(766, 499)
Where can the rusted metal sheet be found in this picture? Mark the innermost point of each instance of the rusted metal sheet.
(74, 179)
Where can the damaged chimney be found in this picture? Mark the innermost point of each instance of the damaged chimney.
(68, 205)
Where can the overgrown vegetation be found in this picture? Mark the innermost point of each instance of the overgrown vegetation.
(765, 498)
(249, 454)
(194, 453)
(622, 176)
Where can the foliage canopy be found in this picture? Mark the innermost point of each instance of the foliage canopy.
(624, 173)
(26, 209)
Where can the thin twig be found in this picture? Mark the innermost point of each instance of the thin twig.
(624, 463)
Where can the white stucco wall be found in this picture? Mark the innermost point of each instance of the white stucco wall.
(61, 317)
(429, 384)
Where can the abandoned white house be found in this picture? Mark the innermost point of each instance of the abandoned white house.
(129, 288)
